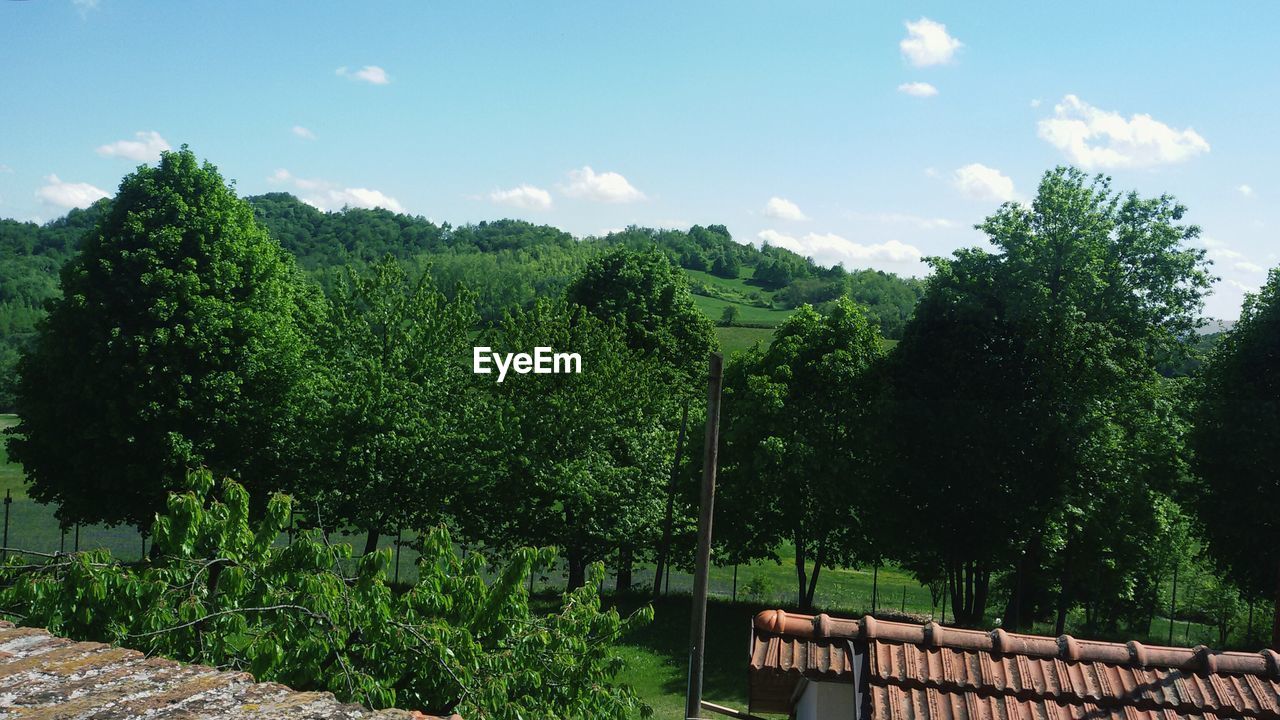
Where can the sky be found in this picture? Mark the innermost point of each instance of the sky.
(873, 134)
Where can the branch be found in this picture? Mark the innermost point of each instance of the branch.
(269, 608)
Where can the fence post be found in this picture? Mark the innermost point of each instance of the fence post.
(904, 599)
(8, 500)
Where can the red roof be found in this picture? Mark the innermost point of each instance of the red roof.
(931, 672)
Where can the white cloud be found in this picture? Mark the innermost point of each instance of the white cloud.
(932, 172)
(303, 132)
(328, 196)
(1094, 138)
(916, 221)
(525, 197)
(830, 249)
(371, 74)
(918, 89)
(1035, 102)
(68, 194)
(1245, 190)
(980, 182)
(1241, 286)
(145, 148)
(5, 168)
(608, 187)
(85, 6)
(1250, 267)
(927, 43)
(783, 209)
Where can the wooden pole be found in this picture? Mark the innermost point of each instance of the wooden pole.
(698, 624)
(665, 550)
(904, 599)
(1173, 601)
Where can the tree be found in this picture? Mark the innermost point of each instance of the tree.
(649, 300)
(1059, 334)
(726, 265)
(795, 451)
(176, 343)
(730, 315)
(580, 458)
(395, 404)
(1236, 444)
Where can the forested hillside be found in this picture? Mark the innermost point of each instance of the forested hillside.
(507, 264)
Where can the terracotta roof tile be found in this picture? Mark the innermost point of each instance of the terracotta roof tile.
(931, 671)
(45, 676)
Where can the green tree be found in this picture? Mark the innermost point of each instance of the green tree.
(582, 455)
(1236, 443)
(1089, 289)
(649, 300)
(176, 343)
(729, 315)
(795, 443)
(395, 403)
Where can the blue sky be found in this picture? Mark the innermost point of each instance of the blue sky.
(868, 133)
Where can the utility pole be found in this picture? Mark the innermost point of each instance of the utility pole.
(710, 453)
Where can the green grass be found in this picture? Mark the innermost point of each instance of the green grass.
(714, 308)
(10, 474)
(735, 339)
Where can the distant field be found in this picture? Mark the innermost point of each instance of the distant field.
(714, 307)
(736, 339)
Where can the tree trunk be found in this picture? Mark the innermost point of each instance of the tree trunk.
(1064, 596)
(577, 570)
(371, 540)
(800, 574)
(623, 583)
(664, 550)
(813, 582)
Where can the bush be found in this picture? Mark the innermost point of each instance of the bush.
(219, 591)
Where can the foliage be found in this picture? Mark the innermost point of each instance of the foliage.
(1047, 397)
(219, 591)
(388, 431)
(578, 459)
(30, 256)
(176, 342)
(794, 435)
(648, 299)
(1236, 443)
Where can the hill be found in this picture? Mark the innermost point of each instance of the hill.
(506, 263)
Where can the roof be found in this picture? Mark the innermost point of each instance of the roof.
(931, 672)
(43, 676)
